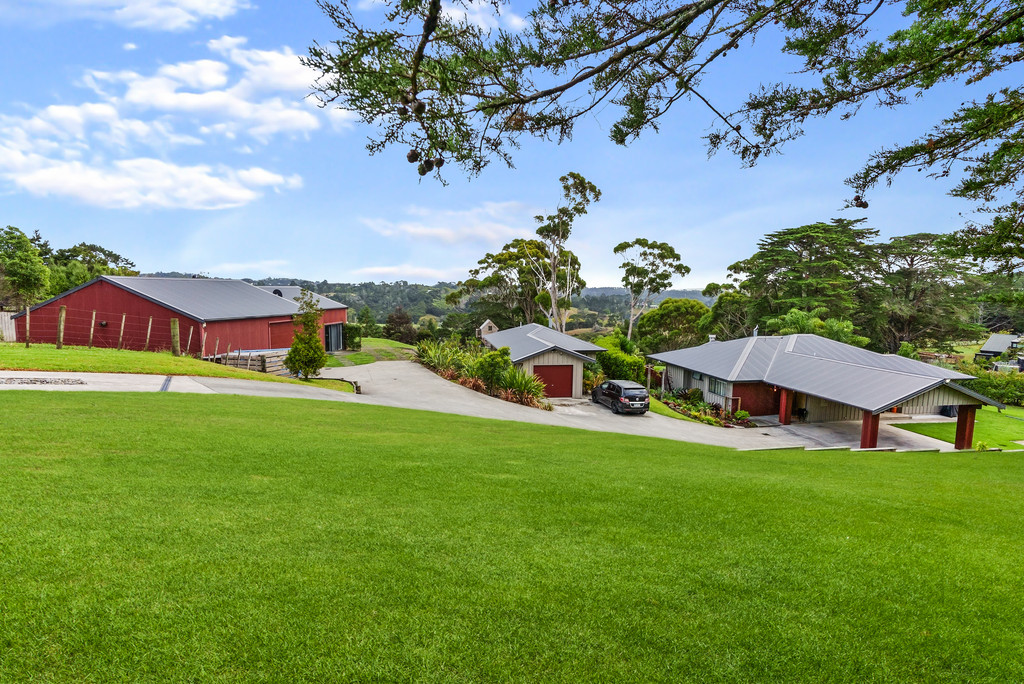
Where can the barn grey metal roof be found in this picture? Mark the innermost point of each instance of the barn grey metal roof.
(819, 367)
(997, 343)
(202, 299)
(532, 339)
(292, 292)
(207, 299)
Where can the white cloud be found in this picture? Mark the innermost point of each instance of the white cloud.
(128, 47)
(492, 223)
(481, 15)
(142, 183)
(117, 151)
(155, 15)
(260, 93)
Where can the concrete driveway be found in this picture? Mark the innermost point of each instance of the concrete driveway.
(405, 384)
(410, 385)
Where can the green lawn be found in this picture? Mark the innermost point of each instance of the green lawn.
(996, 430)
(46, 357)
(377, 349)
(662, 410)
(190, 538)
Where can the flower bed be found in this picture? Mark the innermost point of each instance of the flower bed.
(701, 411)
(490, 373)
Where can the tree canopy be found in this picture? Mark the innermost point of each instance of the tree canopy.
(647, 270)
(807, 267)
(442, 86)
(23, 275)
(674, 324)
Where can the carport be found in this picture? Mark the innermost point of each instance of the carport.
(820, 380)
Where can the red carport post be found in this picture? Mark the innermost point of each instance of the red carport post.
(869, 431)
(786, 406)
(964, 428)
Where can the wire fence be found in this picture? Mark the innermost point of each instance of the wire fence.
(110, 329)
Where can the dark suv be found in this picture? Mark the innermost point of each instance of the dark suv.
(622, 396)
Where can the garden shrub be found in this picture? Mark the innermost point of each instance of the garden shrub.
(1007, 388)
(909, 351)
(618, 365)
(592, 376)
(522, 387)
(741, 415)
(695, 395)
(306, 356)
(492, 367)
(352, 335)
(441, 356)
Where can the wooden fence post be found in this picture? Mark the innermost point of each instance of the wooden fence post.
(149, 329)
(28, 335)
(61, 318)
(175, 340)
(120, 336)
(92, 327)
(202, 351)
(188, 347)
(216, 346)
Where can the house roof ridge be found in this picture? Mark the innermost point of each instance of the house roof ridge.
(862, 365)
(742, 359)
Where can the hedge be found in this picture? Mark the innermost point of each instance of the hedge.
(618, 365)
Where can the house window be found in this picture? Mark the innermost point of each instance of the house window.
(697, 376)
(719, 387)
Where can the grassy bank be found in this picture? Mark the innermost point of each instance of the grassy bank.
(991, 428)
(377, 349)
(46, 357)
(178, 538)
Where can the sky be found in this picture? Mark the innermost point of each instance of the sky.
(181, 134)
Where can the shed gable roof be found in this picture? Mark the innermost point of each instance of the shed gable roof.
(997, 343)
(532, 339)
(292, 292)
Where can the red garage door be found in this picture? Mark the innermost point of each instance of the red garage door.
(557, 378)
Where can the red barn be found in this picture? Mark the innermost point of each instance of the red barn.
(213, 315)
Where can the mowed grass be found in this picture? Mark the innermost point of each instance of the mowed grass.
(377, 349)
(216, 538)
(662, 410)
(996, 430)
(46, 357)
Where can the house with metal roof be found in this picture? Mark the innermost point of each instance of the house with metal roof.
(554, 357)
(214, 315)
(820, 380)
(996, 345)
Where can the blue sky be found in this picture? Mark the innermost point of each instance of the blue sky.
(179, 134)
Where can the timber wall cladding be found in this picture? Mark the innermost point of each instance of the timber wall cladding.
(756, 398)
(8, 331)
(556, 358)
(112, 305)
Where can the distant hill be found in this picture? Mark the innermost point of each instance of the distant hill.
(419, 300)
(674, 294)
